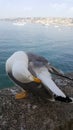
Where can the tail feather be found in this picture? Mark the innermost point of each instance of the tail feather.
(62, 99)
(46, 79)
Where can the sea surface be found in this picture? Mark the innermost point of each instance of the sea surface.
(53, 42)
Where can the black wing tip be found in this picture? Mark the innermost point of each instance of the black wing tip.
(63, 99)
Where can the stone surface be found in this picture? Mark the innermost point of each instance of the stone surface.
(36, 113)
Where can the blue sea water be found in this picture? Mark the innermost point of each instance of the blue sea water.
(54, 43)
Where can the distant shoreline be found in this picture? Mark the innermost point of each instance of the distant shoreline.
(43, 21)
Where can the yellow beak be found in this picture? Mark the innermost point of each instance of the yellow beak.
(37, 80)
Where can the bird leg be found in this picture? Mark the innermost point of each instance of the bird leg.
(21, 95)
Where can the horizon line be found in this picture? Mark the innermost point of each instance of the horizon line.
(35, 17)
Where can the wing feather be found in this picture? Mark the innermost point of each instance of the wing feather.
(49, 84)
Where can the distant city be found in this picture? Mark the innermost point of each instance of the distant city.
(43, 21)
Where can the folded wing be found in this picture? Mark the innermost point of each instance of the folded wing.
(46, 79)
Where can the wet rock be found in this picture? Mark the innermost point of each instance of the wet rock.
(36, 113)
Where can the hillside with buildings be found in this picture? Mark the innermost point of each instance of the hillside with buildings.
(43, 21)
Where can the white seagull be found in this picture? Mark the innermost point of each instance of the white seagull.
(29, 71)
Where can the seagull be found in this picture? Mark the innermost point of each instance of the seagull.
(30, 71)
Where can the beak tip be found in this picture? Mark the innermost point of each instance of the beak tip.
(37, 80)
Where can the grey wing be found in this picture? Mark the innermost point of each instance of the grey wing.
(33, 57)
(37, 66)
(35, 61)
(40, 61)
(54, 70)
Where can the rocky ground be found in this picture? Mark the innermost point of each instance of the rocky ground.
(36, 113)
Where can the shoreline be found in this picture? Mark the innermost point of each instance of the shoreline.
(42, 20)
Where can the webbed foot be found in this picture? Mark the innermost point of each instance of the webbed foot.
(21, 95)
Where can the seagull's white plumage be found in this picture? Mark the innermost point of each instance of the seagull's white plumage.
(22, 67)
(17, 64)
(17, 56)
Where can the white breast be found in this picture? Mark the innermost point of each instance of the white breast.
(17, 64)
(17, 56)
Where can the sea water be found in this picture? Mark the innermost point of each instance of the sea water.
(54, 43)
